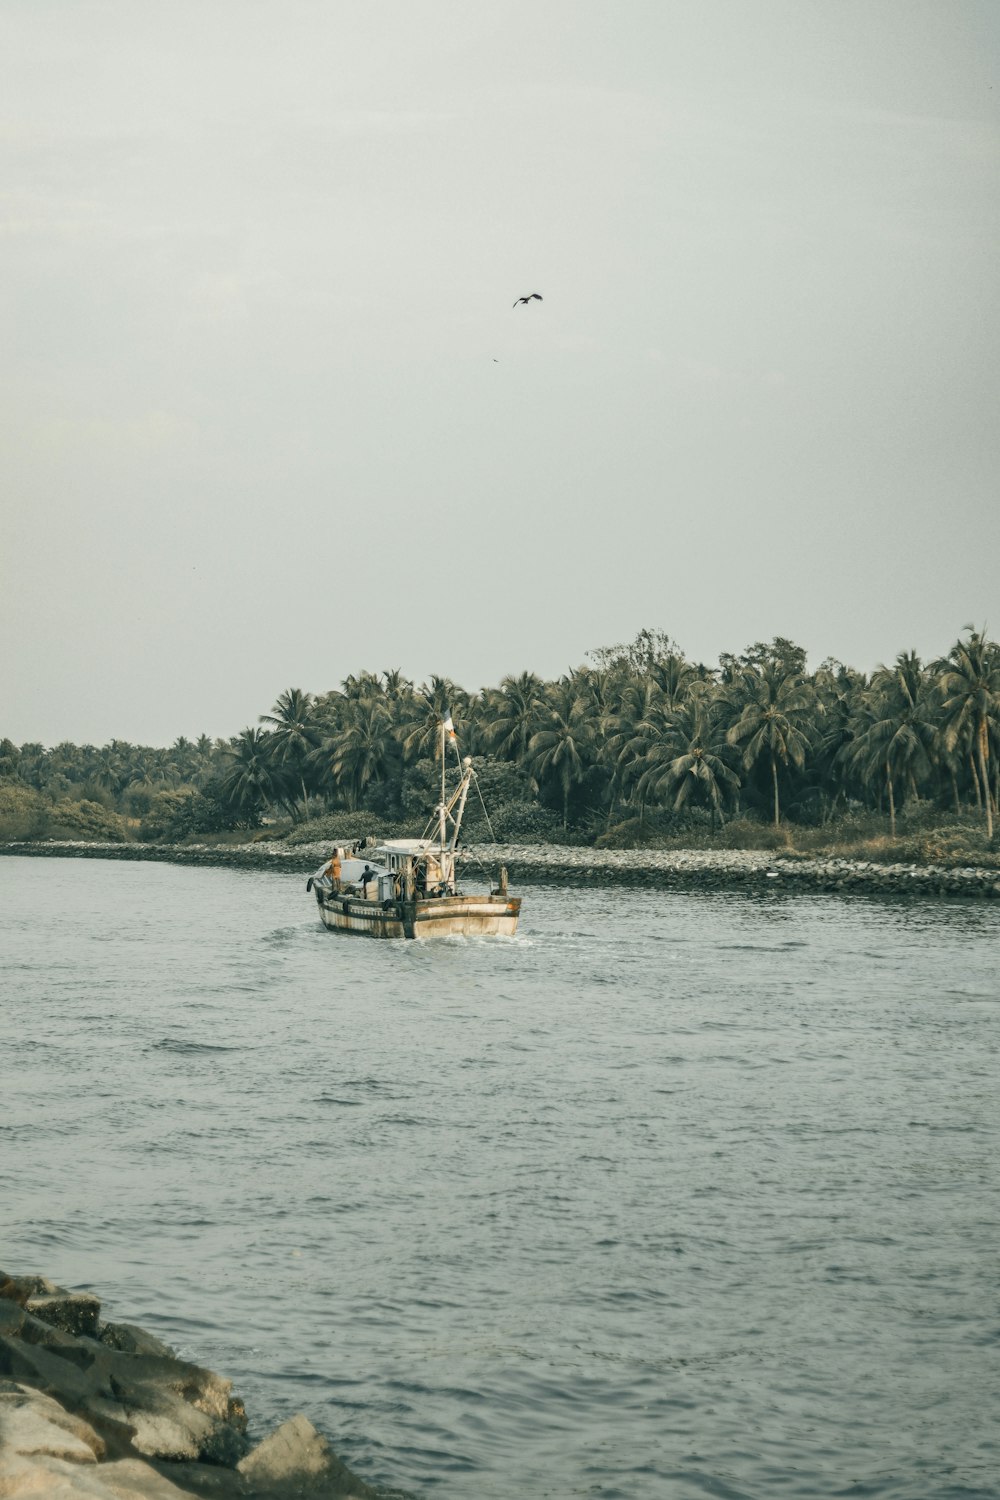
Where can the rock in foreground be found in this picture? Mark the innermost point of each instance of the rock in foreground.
(107, 1411)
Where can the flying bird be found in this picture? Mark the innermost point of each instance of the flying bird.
(529, 297)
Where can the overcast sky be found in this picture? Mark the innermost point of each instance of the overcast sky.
(270, 417)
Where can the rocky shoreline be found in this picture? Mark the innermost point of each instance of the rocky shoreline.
(722, 869)
(104, 1410)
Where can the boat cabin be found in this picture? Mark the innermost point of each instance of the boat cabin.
(418, 860)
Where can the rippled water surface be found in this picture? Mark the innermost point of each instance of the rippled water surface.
(671, 1195)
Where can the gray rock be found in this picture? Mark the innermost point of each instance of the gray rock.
(82, 1404)
(297, 1454)
(32, 1424)
(177, 1410)
(74, 1312)
(36, 1331)
(131, 1479)
(148, 1403)
(12, 1318)
(19, 1288)
(84, 1391)
(225, 1445)
(139, 1375)
(54, 1479)
(129, 1338)
(173, 1432)
(45, 1370)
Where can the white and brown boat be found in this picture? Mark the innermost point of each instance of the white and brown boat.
(408, 888)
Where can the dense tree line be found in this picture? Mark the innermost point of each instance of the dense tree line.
(640, 732)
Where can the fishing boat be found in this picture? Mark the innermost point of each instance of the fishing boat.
(408, 888)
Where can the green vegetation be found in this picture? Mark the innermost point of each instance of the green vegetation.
(640, 747)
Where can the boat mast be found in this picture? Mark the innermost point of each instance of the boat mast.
(460, 796)
(442, 827)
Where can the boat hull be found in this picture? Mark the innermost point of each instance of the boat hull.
(430, 917)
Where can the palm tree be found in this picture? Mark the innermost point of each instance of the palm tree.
(485, 707)
(674, 677)
(63, 760)
(627, 733)
(144, 771)
(396, 687)
(898, 738)
(206, 755)
(514, 716)
(969, 687)
(363, 750)
(10, 757)
(111, 769)
(364, 685)
(253, 779)
(839, 694)
(295, 734)
(561, 748)
(31, 764)
(775, 719)
(687, 760)
(185, 758)
(420, 728)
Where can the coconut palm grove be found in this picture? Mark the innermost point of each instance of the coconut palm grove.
(639, 746)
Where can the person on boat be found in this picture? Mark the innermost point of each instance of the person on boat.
(332, 870)
(367, 874)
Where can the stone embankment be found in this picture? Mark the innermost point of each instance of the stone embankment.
(752, 869)
(718, 869)
(108, 1412)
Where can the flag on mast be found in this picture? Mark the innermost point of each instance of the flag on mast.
(449, 727)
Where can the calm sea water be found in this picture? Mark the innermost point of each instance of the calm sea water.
(669, 1196)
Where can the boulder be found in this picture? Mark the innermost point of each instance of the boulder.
(176, 1410)
(147, 1403)
(73, 1312)
(174, 1431)
(54, 1479)
(47, 1371)
(131, 1479)
(129, 1338)
(32, 1424)
(15, 1319)
(19, 1288)
(12, 1317)
(81, 1391)
(297, 1454)
(84, 1404)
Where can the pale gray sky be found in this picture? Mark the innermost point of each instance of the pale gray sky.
(269, 416)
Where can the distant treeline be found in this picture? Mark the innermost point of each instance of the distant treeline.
(639, 734)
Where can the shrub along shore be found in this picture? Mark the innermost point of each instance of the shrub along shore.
(675, 869)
